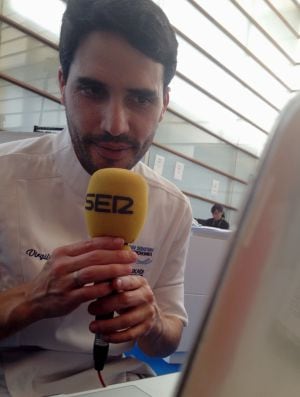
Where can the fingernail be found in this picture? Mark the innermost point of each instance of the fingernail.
(118, 284)
(118, 240)
(133, 254)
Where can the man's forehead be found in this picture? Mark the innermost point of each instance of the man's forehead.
(105, 55)
(105, 44)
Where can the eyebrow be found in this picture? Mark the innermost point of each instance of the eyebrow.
(134, 91)
(143, 92)
(89, 82)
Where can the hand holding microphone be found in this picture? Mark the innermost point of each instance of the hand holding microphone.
(116, 206)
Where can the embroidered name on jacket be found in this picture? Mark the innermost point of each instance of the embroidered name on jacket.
(36, 254)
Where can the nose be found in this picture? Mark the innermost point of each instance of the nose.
(115, 118)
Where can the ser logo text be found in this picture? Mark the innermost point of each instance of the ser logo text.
(108, 203)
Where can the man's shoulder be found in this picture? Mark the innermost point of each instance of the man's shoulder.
(30, 146)
(24, 156)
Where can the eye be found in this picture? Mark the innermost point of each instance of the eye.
(142, 100)
(92, 91)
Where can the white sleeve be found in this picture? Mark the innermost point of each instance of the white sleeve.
(169, 289)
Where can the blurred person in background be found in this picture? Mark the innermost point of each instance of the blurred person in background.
(218, 219)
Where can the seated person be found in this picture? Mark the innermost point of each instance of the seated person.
(218, 219)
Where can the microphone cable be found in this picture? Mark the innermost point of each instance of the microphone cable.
(101, 379)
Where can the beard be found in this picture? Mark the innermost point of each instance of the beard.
(85, 146)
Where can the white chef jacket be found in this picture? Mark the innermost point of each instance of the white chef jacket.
(42, 196)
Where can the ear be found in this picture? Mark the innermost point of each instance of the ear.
(166, 99)
(62, 85)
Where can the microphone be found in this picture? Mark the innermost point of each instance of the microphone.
(116, 205)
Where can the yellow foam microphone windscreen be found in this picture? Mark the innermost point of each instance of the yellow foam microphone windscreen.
(116, 204)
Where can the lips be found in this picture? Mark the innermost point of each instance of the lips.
(113, 151)
(114, 147)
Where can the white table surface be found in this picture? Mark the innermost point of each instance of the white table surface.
(163, 385)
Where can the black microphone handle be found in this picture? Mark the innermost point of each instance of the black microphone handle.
(100, 349)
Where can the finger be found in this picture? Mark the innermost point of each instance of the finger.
(128, 335)
(91, 292)
(102, 257)
(75, 249)
(123, 300)
(97, 274)
(128, 326)
(128, 283)
(67, 264)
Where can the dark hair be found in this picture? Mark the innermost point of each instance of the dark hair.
(217, 207)
(141, 22)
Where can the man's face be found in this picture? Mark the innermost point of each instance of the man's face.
(114, 99)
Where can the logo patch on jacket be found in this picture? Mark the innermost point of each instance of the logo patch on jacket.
(144, 258)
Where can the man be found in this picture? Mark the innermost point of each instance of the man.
(117, 59)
